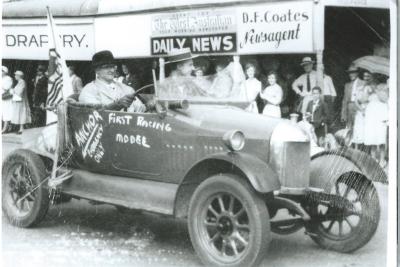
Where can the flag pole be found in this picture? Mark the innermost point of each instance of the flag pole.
(50, 18)
(57, 148)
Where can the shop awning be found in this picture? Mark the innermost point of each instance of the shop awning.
(77, 8)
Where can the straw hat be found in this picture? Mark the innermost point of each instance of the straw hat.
(19, 73)
(178, 55)
(307, 60)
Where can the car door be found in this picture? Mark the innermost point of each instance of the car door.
(136, 143)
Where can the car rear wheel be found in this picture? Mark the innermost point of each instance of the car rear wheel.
(228, 222)
(350, 221)
(25, 201)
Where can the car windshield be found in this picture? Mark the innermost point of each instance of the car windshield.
(216, 88)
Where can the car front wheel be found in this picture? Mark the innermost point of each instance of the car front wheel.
(351, 218)
(228, 222)
(25, 199)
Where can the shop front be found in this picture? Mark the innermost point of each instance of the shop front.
(275, 34)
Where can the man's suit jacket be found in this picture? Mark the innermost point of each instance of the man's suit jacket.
(40, 92)
(348, 90)
(320, 114)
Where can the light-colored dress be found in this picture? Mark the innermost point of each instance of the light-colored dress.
(6, 85)
(361, 99)
(376, 116)
(20, 107)
(273, 95)
(251, 88)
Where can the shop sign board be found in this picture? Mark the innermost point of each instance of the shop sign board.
(31, 41)
(203, 31)
(275, 28)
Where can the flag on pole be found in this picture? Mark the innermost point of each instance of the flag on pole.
(59, 86)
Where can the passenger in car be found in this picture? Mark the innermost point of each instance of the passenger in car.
(107, 92)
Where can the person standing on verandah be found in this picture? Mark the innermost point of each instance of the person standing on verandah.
(304, 83)
(21, 113)
(6, 84)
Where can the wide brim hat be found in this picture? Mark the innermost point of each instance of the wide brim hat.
(4, 69)
(41, 68)
(102, 58)
(306, 61)
(19, 73)
(179, 55)
(352, 68)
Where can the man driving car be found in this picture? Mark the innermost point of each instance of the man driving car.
(105, 91)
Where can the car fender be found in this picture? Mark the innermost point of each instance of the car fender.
(260, 175)
(327, 166)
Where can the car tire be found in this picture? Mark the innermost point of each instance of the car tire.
(340, 230)
(237, 234)
(22, 171)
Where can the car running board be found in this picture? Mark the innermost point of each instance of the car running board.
(127, 192)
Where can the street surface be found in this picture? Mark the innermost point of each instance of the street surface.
(79, 234)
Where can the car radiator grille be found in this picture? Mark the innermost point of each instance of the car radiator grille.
(291, 161)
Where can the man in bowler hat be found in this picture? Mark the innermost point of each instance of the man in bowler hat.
(105, 91)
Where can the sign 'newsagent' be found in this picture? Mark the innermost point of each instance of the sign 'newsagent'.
(203, 31)
(275, 28)
(264, 28)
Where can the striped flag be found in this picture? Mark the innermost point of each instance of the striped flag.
(55, 92)
(60, 86)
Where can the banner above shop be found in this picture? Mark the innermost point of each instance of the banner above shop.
(267, 28)
(203, 31)
(276, 28)
(30, 41)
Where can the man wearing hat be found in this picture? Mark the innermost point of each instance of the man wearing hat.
(180, 83)
(304, 84)
(6, 84)
(105, 91)
(39, 98)
(350, 93)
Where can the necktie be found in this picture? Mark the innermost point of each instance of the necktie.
(308, 83)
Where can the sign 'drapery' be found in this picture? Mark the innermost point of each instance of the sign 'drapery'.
(31, 40)
(275, 28)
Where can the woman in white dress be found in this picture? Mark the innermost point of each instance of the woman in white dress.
(6, 85)
(251, 87)
(273, 95)
(21, 111)
(376, 118)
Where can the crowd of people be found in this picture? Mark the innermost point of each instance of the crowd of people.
(268, 90)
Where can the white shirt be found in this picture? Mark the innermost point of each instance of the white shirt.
(252, 88)
(300, 84)
(273, 94)
(314, 107)
(329, 88)
(354, 89)
(6, 83)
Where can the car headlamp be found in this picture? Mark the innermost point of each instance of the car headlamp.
(234, 140)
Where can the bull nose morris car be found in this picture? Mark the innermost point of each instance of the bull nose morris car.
(234, 175)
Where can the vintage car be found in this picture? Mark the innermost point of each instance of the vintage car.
(235, 176)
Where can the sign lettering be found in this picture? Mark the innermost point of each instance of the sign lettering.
(198, 44)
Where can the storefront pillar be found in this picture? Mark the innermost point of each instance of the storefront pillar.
(320, 69)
